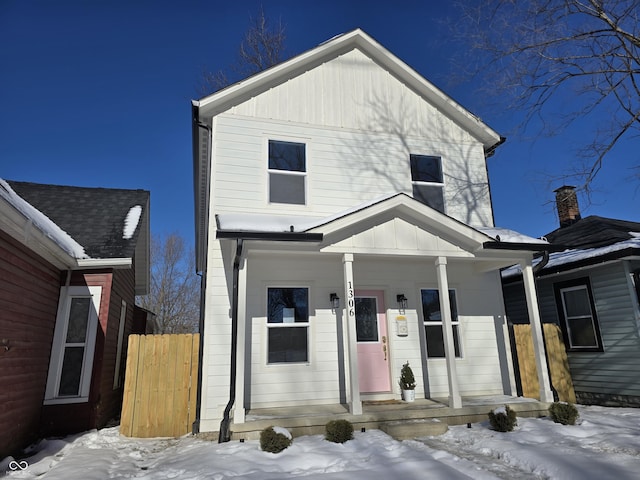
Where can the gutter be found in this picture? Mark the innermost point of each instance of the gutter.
(201, 259)
(225, 432)
(271, 236)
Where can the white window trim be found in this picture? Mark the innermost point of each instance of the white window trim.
(305, 174)
(268, 325)
(123, 320)
(57, 349)
(430, 184)
(430, 323)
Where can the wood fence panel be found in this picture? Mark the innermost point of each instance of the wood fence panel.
(557, 360)
(160, 385)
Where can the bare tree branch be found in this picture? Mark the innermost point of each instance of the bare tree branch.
(536, 52)
(262, 47)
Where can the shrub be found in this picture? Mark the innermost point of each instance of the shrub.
(503, 419)
(564, 413)
(407, 380)
(272, 441)
(338, 431)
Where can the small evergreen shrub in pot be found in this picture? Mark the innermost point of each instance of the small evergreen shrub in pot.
(338, 431)
(274, 440)
(564, 413)
(503, 419)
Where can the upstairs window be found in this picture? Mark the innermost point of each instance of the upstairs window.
(433, 322)
(288, 325)
(577, 314)
(428, 185)
(287, 172)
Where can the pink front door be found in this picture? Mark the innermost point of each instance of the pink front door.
(373, 343)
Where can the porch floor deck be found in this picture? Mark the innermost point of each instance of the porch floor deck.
(399, 419)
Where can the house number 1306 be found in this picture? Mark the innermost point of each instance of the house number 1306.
(350, 300)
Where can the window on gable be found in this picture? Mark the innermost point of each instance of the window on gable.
(577, 314)
(69, 377)
(287, 172)
(428, 185)
(288, 325)
(433, 322)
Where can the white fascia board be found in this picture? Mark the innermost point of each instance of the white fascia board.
(22, 229)
(422, 216)
(243, 90)
(92, 263)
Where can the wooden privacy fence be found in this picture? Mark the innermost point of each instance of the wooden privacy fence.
(160, 385)
(556, 359)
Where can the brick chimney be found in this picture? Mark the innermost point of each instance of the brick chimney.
(567, 205)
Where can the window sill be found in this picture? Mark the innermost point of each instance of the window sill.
(65, 400)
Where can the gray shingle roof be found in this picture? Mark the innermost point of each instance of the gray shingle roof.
(93, 217)
(593, 232)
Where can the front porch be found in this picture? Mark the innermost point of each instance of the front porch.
(399, 419)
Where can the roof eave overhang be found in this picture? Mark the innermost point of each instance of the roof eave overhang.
(271, 236)
(619, 255)
(529, 247)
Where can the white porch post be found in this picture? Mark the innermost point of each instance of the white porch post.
(239, 410)
(455, 401)
(536, 331)
(355, 404)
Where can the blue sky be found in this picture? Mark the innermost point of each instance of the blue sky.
(97, 93)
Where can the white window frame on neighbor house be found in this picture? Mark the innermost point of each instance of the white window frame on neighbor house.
(420, 182)
(288, 324)
(561, 289)
(60, 344)
(117, 380)
(455, 323)
(284, 173)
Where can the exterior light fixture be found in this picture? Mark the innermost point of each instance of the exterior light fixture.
(402, 301)
(335, 301)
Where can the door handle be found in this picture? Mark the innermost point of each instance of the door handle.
(384, 347)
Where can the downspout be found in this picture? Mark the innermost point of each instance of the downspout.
(195, 427)
(225, 433)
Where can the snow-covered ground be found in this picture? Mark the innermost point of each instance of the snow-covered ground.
(605, 445)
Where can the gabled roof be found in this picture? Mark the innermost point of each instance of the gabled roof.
(109, 224)
(593, 232)
(241, 91)
(589, 241)
(332, 230)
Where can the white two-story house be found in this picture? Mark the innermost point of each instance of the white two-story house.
(344, 227)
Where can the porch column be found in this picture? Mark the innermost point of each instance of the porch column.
(239, 410)
(455, 401)
(353, 392)
(536, 331)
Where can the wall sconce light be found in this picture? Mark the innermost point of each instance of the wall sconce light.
(335, 301)
(402, 301)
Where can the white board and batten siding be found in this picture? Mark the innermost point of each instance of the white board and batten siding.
(354, 151)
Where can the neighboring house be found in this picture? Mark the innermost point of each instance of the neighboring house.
(592, 290)
(71, 261)
(344, 226)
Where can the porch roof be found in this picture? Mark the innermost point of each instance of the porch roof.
(332, 230)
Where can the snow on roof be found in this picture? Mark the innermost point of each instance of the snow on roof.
(131, 221)
(575, 255)
(42, 222)
(249, 222)
(509, 236)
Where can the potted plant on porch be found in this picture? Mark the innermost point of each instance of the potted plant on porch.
(407, 383)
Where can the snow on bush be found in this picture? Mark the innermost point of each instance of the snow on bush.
(275, 439)
(503, 419)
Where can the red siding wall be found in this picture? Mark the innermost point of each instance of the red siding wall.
(29, 292)
(104, 402)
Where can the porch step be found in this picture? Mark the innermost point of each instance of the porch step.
(406, 430)
(401, 420)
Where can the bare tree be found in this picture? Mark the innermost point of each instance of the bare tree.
(175, 288)
(539, 53)
(261, 48)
